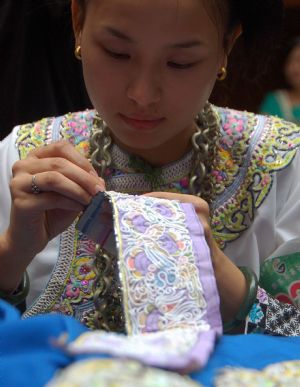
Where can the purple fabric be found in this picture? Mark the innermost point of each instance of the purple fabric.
(205, 268)
(194, 360)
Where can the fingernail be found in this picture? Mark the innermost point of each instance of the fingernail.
(98, 188)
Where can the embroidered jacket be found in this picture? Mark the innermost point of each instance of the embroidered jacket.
(252, 148)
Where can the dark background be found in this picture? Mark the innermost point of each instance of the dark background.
(39, 75)
(246, 91)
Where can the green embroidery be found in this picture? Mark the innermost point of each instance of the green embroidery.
(34, 135)
(279, 276)
(152, 174)
(274, 151)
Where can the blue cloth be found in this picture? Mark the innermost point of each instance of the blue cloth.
(28, 357)
(251, 351)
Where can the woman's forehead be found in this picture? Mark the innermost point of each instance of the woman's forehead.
(167, 15)
(175, 8)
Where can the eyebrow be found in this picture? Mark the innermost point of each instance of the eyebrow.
(118, 34)
(187, 44)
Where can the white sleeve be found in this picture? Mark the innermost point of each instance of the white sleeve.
(275, 229)
(8, 156)
(40, 268)
(288, 210)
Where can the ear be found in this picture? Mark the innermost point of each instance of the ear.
(232, 37)
(229, 42)
(77, 20)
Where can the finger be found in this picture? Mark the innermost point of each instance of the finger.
(199, 204)
(47, 201)
(87, 180)
(171, 196)
(50, 181)
(62, 149)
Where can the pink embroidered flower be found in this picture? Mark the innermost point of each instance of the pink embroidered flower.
(233, 125)
(265, 180)
(233, 128)
(184, 183)
(219, 175)
(72, 290)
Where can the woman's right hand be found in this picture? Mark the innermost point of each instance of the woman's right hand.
(67, 182)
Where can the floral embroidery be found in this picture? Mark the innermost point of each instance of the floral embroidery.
(258, 149)
(76, 128)
(92, 372)
(280, 277)
(77, 295)
(31, 136)
(251, 149)
(278, 374)
(157, 265)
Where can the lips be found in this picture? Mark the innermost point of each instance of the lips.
(142, 122)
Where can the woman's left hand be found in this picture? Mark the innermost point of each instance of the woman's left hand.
(230, 280)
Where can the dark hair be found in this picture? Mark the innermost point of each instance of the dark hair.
(261, 21)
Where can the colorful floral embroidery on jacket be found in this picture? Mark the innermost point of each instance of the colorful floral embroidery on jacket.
(251, 149)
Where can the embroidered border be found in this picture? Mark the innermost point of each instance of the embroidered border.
(44, 303)
(270, 145)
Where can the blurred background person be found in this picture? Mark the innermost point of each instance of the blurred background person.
(285, 103)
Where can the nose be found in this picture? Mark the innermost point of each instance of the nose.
(144, 88)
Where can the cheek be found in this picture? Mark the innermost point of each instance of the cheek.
(103, 83)
(191, 92)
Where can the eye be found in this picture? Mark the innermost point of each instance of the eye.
(181, 66)
(116, 55)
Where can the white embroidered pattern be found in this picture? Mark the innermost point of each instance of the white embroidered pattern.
(159, 275)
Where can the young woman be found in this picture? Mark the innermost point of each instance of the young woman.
(149, 68)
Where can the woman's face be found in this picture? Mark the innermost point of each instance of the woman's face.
(292, 68)
(149, 68)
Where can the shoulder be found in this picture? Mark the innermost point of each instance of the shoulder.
(251, 150)
(269, 140)
(73, 127)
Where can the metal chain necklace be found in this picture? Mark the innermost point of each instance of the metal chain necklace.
(204, 142)
(107, 292)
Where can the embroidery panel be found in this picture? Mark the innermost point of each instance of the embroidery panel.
(168, 321)
(117, 373)
(160, 279)
(278, 374)
(245, 141)
(173, 349)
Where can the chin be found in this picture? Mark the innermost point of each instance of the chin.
(134, 146)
